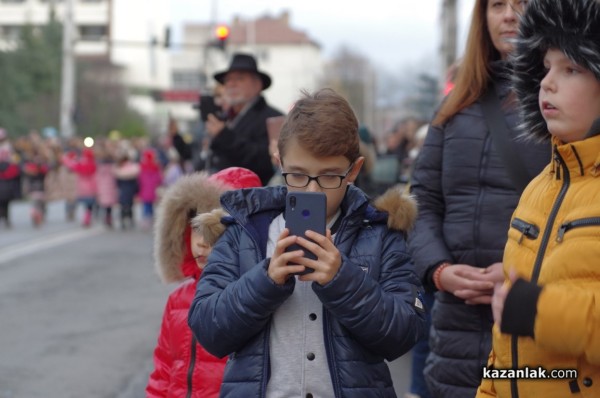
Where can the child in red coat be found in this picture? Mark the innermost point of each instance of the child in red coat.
(182, 368)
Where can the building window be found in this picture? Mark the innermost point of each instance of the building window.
(10, 32)
(92, 32)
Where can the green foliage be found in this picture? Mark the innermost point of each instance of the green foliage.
(31, 85)
(102, 102)
(31, 79)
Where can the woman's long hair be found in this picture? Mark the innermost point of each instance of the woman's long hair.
(473, 73)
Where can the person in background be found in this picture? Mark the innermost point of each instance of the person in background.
(107, 184)
(182, 368)
(242, 140)
(9, 181)
(85, 169)
(150, 178)
(127, 172)
(326, 333)
(547, 311)
(173, 170)
(466, 194)
(35, 170)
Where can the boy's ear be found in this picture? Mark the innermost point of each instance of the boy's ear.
(358, 163)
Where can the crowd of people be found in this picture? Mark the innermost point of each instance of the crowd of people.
(482, 260)
(111, 175)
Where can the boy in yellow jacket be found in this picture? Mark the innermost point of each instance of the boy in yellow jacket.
(547, 334)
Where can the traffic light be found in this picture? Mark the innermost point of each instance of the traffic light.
(222, 33)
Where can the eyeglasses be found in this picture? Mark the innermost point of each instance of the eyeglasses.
(325, 181)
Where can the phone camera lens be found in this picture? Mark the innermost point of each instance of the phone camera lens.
(293, 201)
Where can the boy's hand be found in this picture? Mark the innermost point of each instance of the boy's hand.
(279, 270)
(328, 260)
(499, 298)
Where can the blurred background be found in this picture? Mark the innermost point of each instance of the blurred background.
(89, 67)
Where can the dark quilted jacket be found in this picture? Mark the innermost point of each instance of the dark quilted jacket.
(466, 199)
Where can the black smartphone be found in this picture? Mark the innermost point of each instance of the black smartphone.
(208, 106)
(303, 211)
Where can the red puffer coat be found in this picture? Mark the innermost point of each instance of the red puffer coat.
(181, 365)
(182, 368)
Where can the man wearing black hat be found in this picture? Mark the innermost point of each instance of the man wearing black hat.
(242, 140)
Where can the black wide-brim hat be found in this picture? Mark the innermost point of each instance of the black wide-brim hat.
(247, 63)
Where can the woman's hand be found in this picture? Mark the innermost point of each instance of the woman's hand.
(472, 284)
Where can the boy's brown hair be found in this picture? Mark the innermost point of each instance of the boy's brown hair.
(324, 124)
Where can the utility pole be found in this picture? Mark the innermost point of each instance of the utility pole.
(449, 33)
(67, 92)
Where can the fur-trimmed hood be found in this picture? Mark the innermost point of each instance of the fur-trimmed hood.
(572, 26)
(191, 194)
(400, 207)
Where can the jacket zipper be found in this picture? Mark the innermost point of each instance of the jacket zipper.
(583, 222)
(528, 230)
(326, 330)
(541, 251)
(330, 356)
(487, 148)
(190, 373)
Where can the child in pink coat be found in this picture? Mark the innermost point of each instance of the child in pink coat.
(85, 169)
(150, 179)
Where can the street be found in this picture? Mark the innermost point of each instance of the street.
(80, 310)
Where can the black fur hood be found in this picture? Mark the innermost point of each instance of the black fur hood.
(572, 26)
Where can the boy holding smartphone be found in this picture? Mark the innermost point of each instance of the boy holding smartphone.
(328, 332)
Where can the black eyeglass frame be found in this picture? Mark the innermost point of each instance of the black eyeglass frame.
(316, 178)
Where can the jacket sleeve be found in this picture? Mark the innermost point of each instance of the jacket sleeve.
(426, 241)
(158, 383)
(229, 309)
(183, 148)
(568, 320)
(381, 315)
(248, 143)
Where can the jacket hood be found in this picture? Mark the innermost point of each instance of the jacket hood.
(400, 207)
(571, 26)
(190, 194)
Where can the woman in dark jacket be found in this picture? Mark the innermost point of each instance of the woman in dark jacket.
(9, 184)
(466, 196)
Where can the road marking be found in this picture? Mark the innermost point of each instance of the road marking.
(15, 251)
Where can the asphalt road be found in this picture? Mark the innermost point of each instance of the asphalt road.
(80, 310)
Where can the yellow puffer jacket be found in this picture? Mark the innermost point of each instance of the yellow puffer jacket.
(554, 245)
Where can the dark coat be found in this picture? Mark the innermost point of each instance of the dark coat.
(247, 144)
(466, 199)
(369, 310)
(9, 181)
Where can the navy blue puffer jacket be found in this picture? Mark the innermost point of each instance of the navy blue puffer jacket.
(369, 312)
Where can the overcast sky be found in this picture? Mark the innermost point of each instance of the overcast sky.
(391, 34)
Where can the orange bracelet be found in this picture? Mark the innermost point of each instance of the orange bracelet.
(436, 276)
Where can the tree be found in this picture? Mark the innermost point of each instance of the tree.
(102, 101)
(31, 79)
(352, 75)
